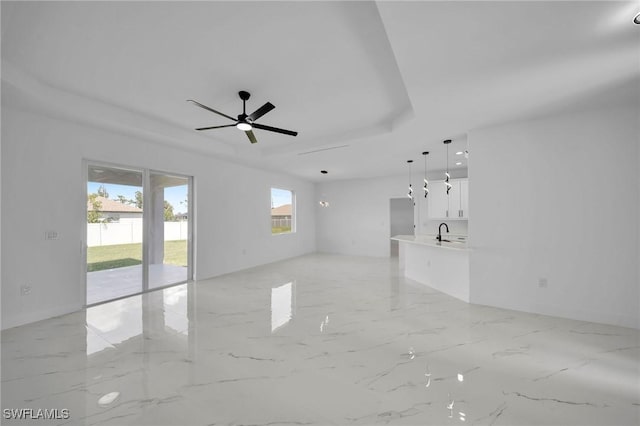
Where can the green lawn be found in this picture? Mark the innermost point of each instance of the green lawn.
(175, 252)
(280, 229)
(118, 256)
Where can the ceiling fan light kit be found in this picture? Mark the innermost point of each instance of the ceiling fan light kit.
(244, 122)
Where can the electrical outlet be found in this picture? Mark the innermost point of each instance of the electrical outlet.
(25, 290)
(542, 282)
(50, 235)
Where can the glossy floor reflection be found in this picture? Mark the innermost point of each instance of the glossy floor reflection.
(319, 339)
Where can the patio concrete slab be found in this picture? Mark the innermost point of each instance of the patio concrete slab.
(114, 283)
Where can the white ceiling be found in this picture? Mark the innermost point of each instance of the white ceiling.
(378, 81)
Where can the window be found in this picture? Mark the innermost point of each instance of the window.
(282, 211)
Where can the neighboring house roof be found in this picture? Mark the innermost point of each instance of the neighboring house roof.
(113, 206)
(284, 210)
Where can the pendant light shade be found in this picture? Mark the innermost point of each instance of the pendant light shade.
(425, 187)
(410, 193)
(447, 175)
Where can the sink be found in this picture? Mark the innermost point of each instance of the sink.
(454, 241)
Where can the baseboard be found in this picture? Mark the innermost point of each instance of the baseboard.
(31, 317)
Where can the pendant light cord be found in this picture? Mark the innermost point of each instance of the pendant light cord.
(426, 182)
(448, 176)
(410, 193)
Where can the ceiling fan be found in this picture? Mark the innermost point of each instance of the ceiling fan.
(245, 122)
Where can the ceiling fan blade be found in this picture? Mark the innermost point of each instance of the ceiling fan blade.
(216, 127)
(274, 129)
(251, 136)
(261, 111)
(210, 109)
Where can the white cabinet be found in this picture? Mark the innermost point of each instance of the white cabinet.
(455, 205)
(437, 200)
(464, 198)
(454, 199)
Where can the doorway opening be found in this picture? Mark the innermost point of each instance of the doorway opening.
(401, 220)
(138, 231)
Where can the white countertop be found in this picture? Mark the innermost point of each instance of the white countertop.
(430, 240)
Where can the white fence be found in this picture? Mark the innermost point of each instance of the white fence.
(99, 234)
(284, 222)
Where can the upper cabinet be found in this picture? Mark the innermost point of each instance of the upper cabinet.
(437, 200)
(464, 198)
(455, 205)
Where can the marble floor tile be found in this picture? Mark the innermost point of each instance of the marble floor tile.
(317, 340)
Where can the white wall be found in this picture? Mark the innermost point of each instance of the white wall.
(42, 169)
(557, 198)
(357, 220)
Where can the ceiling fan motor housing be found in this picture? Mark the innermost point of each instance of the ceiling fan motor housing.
(245, 122)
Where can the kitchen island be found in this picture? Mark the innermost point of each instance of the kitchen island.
(443, 266)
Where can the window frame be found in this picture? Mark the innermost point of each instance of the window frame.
(294, 227)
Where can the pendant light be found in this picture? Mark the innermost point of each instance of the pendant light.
(447, 175)
(323, 202)
(425, 187)
(410, 193)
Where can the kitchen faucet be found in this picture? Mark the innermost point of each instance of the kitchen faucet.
(439, 238)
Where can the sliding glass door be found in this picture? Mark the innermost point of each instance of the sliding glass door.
(114, 233)
(168, 229)
(138, 231)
